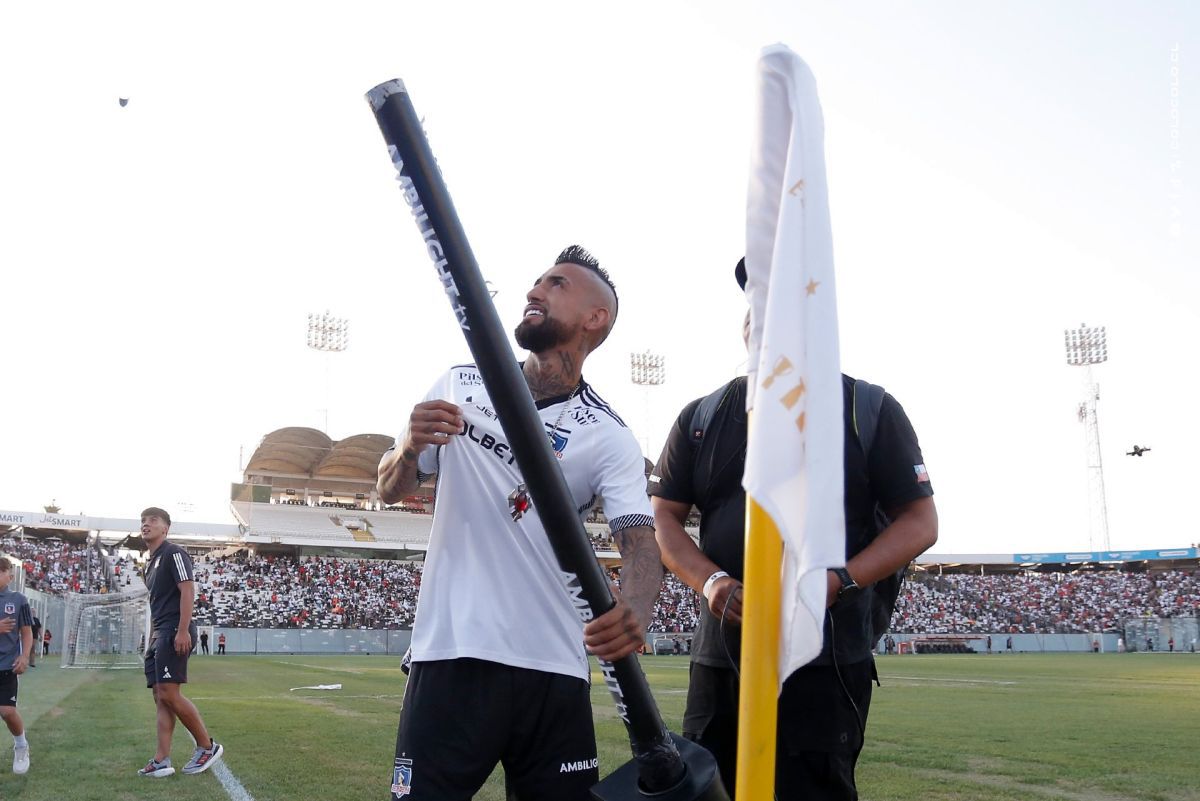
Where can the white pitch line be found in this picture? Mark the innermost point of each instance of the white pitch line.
(233, 787)
(324, 667)
(317, 694)
(948, 681)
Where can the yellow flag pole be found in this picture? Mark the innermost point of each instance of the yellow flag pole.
(758, 705)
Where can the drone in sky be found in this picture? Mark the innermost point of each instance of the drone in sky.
(1137, 451)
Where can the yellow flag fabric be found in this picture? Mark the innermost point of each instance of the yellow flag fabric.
(794, 465)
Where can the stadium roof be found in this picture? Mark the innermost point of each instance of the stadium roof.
(307, 452)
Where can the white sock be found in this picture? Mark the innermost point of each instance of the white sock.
(19, 740)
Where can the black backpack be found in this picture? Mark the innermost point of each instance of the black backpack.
(867, 400)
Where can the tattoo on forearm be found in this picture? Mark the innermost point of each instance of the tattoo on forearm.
(641, 570)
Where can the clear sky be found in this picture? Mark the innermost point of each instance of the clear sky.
(998, 172)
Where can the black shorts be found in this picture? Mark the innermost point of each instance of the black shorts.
(462, 716)
(8, 688)
(163, 665)
(818, 738)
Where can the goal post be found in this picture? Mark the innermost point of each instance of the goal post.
(106, 631)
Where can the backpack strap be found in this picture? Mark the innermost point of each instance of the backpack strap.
(868, 400)
(702, 418)
(706, 410)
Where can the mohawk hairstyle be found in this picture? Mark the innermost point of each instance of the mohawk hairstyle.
(578, 255)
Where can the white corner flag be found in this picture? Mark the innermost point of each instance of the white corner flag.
(794, 459)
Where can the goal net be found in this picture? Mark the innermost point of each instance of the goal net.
(106, 631)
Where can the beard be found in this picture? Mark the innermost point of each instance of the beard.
(543, 336)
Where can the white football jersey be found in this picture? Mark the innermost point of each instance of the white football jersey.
(492, 588)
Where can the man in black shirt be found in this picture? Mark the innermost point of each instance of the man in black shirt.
(823, 706)
(172, 586)
(37, 639)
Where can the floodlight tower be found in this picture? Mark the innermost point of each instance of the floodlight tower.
(647, 370)
(329, 335)
(1085, 347)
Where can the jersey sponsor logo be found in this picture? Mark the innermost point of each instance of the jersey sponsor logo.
(487, 412)
(922, 473)
(401, 778)
(582, 764)
(469, 378)
(10, 609)
(584, 417)
(489, 443)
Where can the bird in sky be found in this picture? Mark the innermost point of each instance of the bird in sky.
(1137, 451)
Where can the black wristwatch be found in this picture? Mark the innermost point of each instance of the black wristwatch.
(849, 587)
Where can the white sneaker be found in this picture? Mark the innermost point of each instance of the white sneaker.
(157, 770)
(20, 759)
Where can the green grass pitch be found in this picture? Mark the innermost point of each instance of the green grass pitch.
(1027, 726)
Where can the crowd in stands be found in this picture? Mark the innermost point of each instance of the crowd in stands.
(282, 592)
(57, 567)
(1042, 602)
(677, 608)
(416, 504)
(602, 542)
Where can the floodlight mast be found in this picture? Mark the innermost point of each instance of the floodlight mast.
(1085, 347)
(647, 369)
(328, 334)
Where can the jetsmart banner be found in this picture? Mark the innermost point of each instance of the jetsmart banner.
(45, 520)
(1105, 556)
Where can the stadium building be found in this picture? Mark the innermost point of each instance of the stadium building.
(312, 561)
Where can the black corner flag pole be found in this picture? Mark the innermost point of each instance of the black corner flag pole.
(665, 766)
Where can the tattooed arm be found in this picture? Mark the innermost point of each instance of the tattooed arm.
(622, 630)
(431, 423)
(641, 571)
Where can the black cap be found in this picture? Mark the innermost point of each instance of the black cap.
(739, 273)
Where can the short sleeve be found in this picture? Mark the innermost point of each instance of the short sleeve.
(181, 566)
(24, 614)
(671, 478)
(622, 482)
(896, 466)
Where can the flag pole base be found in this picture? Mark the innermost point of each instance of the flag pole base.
(701, 781)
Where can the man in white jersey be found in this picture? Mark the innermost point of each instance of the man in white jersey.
(499, 667)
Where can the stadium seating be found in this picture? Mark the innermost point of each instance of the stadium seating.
(1045, 603)
(267, 592)
(336, 526)
(56, 567)
(281, 592)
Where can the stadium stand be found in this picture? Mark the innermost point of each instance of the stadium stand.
(1047, 603)
(283, 592)
(286, 592)
(58, 567)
